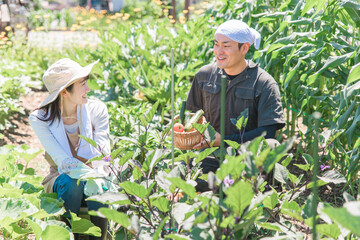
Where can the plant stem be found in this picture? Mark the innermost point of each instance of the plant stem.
(316, 116)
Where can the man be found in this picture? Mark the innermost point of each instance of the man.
(248, 87)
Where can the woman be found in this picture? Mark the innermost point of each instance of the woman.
(65, 114)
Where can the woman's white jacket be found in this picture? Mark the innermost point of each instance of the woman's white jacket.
(94, 124)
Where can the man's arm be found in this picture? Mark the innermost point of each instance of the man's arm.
(270, 133)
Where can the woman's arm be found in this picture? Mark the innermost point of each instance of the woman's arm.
(51, 146)
(100, 120)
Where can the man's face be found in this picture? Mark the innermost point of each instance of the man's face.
(227, 53)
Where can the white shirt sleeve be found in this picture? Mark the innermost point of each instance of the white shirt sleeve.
(64, 162)
(100, 120)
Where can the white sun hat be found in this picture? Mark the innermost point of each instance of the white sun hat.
(62, 74)
(240, 32)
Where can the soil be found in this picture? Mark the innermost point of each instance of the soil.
(22, 133)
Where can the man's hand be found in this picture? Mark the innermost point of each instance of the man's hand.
(203, 143)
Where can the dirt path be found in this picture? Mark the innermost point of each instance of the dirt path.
(22, 133)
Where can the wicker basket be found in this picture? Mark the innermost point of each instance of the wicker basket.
(186, 140)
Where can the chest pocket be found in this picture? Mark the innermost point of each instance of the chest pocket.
(244, 98)
(211, 99)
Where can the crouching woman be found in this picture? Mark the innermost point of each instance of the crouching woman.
(65, 114)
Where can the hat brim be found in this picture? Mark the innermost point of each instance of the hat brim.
(85, 71)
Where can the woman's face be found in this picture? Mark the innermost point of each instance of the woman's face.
(78, 94)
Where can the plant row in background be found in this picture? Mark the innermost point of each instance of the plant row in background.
(310, 47)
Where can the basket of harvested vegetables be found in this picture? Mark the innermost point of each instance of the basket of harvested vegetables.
(185, 136)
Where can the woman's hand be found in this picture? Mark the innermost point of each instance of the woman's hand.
(203, 143)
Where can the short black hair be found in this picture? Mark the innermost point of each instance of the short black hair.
(240, 44)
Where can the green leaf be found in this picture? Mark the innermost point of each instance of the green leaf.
(134, 189)
(29, 154)
(89, 140)
(277, 154)
(186, 187)
(345, 218)
(304, 167)
(233, 166)
(232, 144)
(125, 158)
(152, 112)
(51, 205)
(287, 160)
(177, 237)
(12, 210)
(185, 156)
(162, 204)
(209, 134)
(241, 121)
(333, 177)
(55, 232)
(270, 226)
(202, 155)
(271, 201)
(281, 173)
(118, 217)
(200, 127)
(308, 158)
(330, 230)
(111, 198)
(239, 196)
(35, 227)
(115, 153)
(81, 225)
(160, 228)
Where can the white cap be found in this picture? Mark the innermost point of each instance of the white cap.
(240, 32)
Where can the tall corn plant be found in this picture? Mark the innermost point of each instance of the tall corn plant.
(137, 57)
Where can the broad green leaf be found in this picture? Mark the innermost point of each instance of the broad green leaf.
(293, 206)
(202, 155)
(51, 205)
(186, 187)
(35, 227)
(89, 140)
(232, 144)
(233, 166)
(281, 173)
(330, 230)
(118, 217)
(29, 154)
(162, 204)
(55, 232)
(344, 218)
(125, 158)
(115, 154)
(319, 183)
(239, 196)
(134, 189)
(333, 177)
(309, 159)
(304, 167)
(271, 201)
(111, 198)
(201, 127)
(277, 154)
(12, 210)
(81, 225)
(270, 226)
(287, 160)
(209, 134)
(184, 157)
